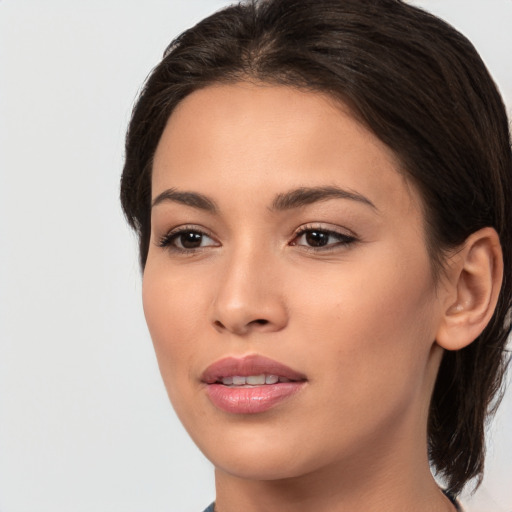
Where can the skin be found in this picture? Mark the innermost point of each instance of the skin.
(359, 319)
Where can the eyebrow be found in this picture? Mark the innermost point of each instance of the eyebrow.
(304, 196)
(193, 199)
(296, 198)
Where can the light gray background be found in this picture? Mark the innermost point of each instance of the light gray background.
(85, 424)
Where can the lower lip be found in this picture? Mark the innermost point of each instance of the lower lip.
(251, 400)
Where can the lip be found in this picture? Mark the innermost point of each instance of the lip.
(248, 365)
(253, 399)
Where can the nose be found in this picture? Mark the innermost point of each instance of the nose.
(249, 295)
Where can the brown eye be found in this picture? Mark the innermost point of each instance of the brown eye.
(322, 239)
(189, 240)
(316, 238)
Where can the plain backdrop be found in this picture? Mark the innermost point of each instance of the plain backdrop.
(85, 424)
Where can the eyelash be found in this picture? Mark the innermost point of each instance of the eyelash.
(343, 240)
(168, 240)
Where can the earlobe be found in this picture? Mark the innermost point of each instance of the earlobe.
(474, 285)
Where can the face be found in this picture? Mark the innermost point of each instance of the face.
(287, 248)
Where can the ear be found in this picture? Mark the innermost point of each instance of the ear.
(474, 277)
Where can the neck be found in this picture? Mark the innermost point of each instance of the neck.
(393, 473)
(335, 490)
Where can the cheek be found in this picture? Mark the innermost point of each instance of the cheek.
(390, 291)
(174, 312)
(370, 327)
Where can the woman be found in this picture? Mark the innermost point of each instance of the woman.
(320, 192)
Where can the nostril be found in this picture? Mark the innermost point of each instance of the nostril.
(242, 327)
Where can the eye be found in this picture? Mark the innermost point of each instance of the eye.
(187, 239)
(317, 238)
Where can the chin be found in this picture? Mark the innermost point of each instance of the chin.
(258, 468)
(248, 454)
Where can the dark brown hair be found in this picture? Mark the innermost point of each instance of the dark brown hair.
(418, 85)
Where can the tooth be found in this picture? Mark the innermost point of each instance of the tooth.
(255, 380)
(284, 379)
(238, 381)
(227, 381)
(271, 379)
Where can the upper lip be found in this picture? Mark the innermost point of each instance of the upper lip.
(248, 365)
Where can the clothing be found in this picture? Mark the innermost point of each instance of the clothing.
(211, 508)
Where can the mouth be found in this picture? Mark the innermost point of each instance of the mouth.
(252, 380)
(250, 385)
(253, 370)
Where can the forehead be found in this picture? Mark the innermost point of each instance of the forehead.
(264, 138)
